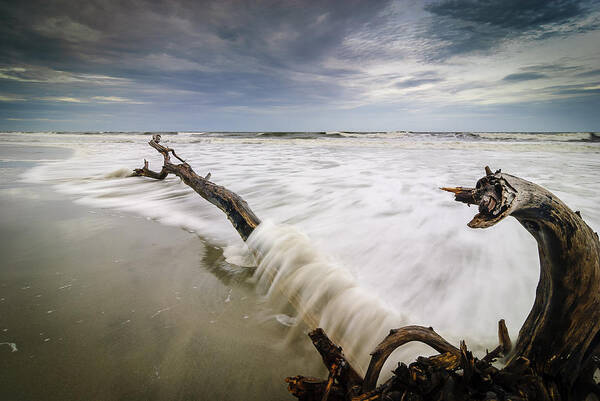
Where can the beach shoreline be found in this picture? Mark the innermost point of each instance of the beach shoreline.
(142, 244)
(102, 304)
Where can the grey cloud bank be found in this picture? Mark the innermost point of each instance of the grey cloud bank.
(300, 65)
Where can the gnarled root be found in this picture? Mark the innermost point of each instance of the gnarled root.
(397, 338)
(454, 374)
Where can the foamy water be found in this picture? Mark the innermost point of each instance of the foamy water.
(358, 237)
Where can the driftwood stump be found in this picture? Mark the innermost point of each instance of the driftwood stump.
(557, 351)
(562, 332)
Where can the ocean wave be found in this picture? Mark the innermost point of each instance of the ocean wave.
(119, 173)
(299, 135)
(535, 136)
(324, 294)
(403, 137)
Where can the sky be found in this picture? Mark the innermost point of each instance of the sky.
(261, 65)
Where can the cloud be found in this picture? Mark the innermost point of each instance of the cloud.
(223, 34)
(524, 76)
(167, 62)
(591, 73)
(64, 28)
(550, 68)
(36, 119)
(37, 75)
(512, 14)
(194, 60)
(11, 98)
(64, 99)
(95, 99)
(416, 82)
(115, 99)
(575, 90)
(45, 75)
(225, 52)
(463, 26)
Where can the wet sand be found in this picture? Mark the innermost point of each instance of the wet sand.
(102, 305)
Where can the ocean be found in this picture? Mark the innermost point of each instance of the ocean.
(356, 238)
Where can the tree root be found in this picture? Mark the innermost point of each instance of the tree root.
(397, 338)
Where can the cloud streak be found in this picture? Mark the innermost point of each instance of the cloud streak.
(524, 76)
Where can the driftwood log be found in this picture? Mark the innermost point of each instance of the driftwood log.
(236, 209)
(557, 351)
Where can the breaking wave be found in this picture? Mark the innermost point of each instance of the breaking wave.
(325, 294)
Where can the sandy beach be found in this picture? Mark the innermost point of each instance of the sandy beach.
(100, 305)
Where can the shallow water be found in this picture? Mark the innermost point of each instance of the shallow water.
(358, 235)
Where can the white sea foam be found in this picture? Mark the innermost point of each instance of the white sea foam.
(13, 346)
(158, 312)
(324, 294)
(237, 254)
(119, 173)
(327, 295)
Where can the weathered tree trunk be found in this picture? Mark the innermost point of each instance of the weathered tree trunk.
(555, 355)
(562, 330)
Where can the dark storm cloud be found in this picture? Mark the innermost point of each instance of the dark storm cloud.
(211, 34)
(273, 45)
(542, 71)
(592, 73)
(550, 68)
(524, 76)
(512, 14)
(414, 82)
(463, 26)
(216, 47)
